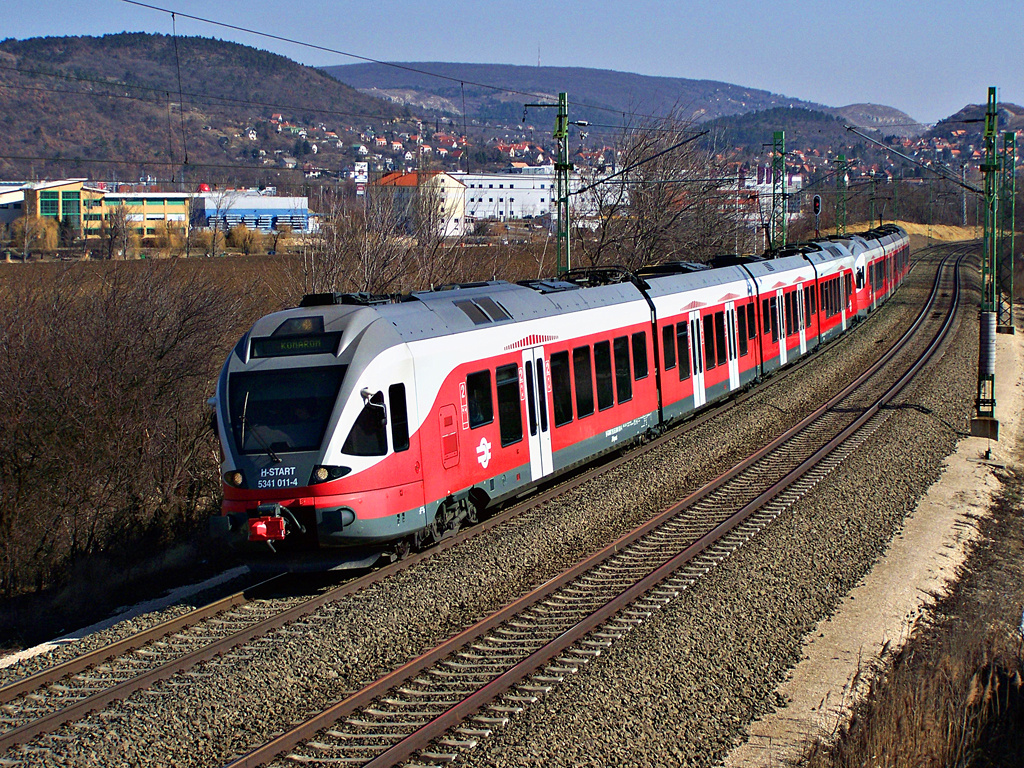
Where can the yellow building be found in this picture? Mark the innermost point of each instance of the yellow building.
(66, 200)
(85, 207)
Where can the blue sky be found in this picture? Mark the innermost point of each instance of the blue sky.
(926, 58)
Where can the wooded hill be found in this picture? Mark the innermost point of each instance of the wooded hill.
(598, 95)
(108, 107)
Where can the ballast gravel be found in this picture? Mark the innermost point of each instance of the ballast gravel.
(678, 690)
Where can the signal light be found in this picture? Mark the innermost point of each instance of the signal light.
(817, 204)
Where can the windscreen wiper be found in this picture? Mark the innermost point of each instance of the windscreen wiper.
(270, 451)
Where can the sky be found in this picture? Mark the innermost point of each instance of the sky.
(927, 58)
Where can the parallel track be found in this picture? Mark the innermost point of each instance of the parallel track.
(444, 701)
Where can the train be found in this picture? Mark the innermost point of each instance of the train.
(355, 427)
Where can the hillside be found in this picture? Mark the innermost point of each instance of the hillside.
(592, 92)
(805, 129)
(104, 100)
(887, 121)
(972, 119)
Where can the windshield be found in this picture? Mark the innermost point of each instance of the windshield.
(281, 411)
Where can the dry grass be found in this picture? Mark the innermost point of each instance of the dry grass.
(954, 694)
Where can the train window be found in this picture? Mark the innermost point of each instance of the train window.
(695, 346)
(720, 337)
(668, 346)
(368, 436)
(561, 388)
(860, 278)
(542, 400)
(751, 321)
(603, 373)
(765, 316)
(623, 383)
(848, 282)
(787, 301)
(709, 342)
(399, 418)
(807, 307)
(814, 301)
(584, 381)
(531, 398)
(287, 410)
(774, 315)
(682, 342)
(824, 299)
(478, 398)
(640, 355)
(741, 324)
(510, 413)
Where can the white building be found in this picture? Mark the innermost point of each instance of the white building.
(524, 193)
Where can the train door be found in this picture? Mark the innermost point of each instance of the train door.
(537, 397)
(730, 333)
(801, 318)
(700, 395)
(780, 318)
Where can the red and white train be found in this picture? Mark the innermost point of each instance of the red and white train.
(366, 425)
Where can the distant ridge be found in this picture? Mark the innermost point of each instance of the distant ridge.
(624, 93)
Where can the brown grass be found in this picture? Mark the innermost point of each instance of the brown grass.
(954, 694)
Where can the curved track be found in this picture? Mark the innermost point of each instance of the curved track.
(445, 700)
(40, 703)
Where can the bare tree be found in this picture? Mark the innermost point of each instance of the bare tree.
(664, 203)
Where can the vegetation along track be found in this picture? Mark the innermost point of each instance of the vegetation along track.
(205, 639)
(446, 699)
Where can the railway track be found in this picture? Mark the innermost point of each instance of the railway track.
(40, 703)
(442, 703)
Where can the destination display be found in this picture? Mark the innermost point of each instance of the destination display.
(285, 346)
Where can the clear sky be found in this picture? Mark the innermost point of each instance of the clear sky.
(928, 58)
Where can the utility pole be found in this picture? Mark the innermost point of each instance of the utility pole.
(563, 168)
(842, 181)
(778, 219)
(1007, 190)
(985, 424)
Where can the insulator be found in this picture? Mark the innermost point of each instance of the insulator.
(987, 345)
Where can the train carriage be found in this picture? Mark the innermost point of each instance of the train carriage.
(367, 425)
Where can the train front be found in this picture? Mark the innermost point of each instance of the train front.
(312, 414)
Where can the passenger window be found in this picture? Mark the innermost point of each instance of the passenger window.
(603, 371)
(682, 342)
(561, 388)
(741, 327)
(639, 355)
(751, 321)
(478, 398)
(584, 382)
(399, 418)
(668, 346)
(542, 399)
(774, 314)
(766, 322)
(623, 383)
(787, 301)
(510, 413)
(531, 398)
(720, 337)
(709, 342)
(368, 436)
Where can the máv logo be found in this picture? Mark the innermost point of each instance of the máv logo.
(483, 452)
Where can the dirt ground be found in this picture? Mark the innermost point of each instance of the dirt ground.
(842, 653)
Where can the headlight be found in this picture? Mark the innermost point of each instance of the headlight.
(234, 478)
(324, 473)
